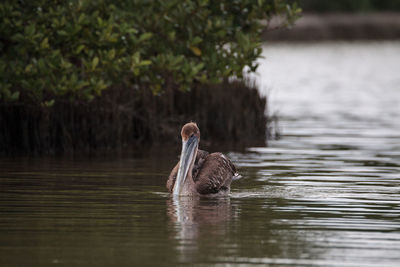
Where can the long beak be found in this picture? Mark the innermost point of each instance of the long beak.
(189, 148)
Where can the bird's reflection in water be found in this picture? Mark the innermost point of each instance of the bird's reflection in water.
(198, 223)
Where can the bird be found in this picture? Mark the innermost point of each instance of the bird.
(199, 173)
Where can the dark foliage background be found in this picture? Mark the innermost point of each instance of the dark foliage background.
(102, 74)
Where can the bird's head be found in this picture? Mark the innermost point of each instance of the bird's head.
(190, 130)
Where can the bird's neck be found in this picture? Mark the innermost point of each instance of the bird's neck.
(189, 187)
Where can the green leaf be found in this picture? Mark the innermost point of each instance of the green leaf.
(30, 29)
(28, 68)
(136, 71)
(45, 43)
(196, 50)
(62, 33)
(81, 17)
(196, 40)
(145, 63)
(145, 36)
(79, 49)
(95, 61)
(198, 67)
(111, 54)
(172, 36)
(132, 31)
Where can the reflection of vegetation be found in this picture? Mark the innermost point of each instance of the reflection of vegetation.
(349, 5)
(103, 73)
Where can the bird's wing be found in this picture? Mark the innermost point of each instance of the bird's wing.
(198, 164)
(215, 175)
(200, 158)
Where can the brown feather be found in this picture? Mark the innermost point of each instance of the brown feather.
(215, 175)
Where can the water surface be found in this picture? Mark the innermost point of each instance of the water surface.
(326, 194)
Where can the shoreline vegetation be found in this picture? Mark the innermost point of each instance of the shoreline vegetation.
(338, 27)
(233, 114)
(88, 76)
(105, 76)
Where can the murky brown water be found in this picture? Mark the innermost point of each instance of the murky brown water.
(326, 194)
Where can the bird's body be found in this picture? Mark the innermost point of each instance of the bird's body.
(199, 172)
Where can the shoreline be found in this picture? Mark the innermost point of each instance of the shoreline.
(123, 118)
(338, 26)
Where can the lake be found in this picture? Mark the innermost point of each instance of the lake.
(326, 194)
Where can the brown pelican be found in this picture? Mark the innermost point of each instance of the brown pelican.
(198, 172)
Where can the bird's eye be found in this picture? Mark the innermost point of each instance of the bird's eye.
(192, 135)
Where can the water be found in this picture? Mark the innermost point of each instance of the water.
(326, 194)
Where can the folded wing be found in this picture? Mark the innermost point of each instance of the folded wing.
(215, 174)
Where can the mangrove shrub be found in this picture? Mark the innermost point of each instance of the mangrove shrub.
(74, 50)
